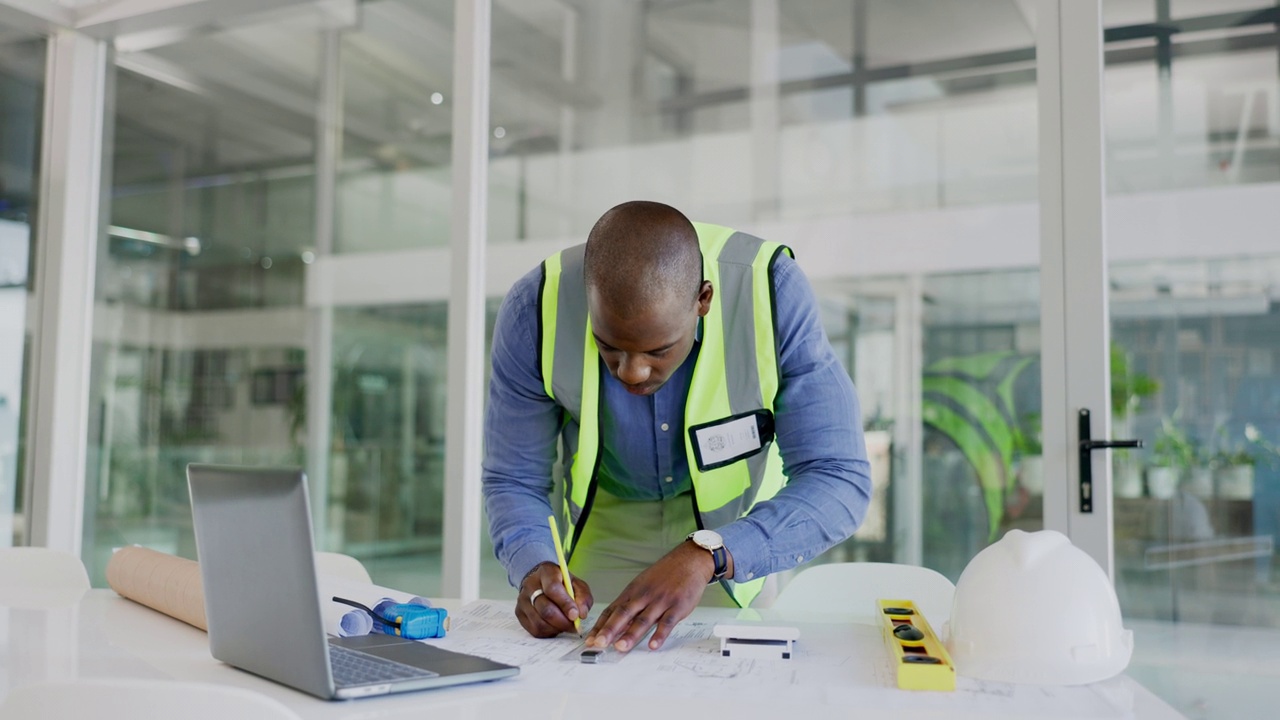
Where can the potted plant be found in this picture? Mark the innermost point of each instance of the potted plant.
(1128, 389)
(1030, 454)
(1235, 473)
(1174, 453)
(1200, 479)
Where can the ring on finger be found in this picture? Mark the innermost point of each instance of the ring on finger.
(535, 595)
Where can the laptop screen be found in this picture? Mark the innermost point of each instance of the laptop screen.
(257, 564)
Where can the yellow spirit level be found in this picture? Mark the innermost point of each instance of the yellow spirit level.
(920, 660)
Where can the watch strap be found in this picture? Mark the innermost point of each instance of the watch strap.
(721, 558)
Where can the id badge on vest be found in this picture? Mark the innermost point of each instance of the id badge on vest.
(724, 442)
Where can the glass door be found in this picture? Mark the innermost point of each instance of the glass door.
(1193, 174)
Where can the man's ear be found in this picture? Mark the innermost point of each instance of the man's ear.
(704, 298)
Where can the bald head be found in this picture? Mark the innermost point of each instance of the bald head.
(645, 292)
(643, 255)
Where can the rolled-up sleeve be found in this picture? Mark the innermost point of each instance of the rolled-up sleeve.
(819, 434)
(521, 425)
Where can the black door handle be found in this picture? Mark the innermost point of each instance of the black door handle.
(1088, 445)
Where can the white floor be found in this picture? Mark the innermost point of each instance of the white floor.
(1209, 672)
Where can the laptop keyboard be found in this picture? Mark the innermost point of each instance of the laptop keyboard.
(352, 668)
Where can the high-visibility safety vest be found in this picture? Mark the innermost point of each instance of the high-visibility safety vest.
(736, 373)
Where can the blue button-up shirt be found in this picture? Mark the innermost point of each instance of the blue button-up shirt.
(816, 423)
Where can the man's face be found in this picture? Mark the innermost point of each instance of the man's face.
(643, 348)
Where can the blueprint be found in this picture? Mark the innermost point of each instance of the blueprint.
(844, 665)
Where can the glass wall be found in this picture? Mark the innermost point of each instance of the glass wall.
(983, 472)
(22, 65)
(866, 135)
(394, 188)
(386, 476)
(200, 336)
(855, 108)
(1193, 174)
(209, 309)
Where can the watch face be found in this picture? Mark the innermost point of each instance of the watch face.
(709, 539)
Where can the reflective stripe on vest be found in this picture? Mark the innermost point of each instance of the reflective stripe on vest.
(736, 371)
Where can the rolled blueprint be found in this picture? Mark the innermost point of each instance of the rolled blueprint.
(172, 585)
(365, 593)
(162, 582)
(346, 621)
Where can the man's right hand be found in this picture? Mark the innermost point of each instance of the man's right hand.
(551, 611)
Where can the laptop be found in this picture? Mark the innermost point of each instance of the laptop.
(262, 603)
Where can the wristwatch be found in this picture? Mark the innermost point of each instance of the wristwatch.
(711, 541)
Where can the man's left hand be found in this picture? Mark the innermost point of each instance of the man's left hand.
(662, 595)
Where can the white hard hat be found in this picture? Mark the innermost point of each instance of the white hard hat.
(1033, 608)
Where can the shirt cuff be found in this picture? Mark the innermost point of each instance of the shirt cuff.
(527, 558)
(749, 546)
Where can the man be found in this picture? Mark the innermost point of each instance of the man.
(723, 408)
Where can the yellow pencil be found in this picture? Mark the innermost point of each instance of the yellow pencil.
(564, 567)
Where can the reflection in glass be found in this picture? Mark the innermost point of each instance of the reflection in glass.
(394, 182)
(385, 494)
(200, 334)
(1193, 161)
(1196, 107)
(22, 66)
(1203, 335)
(983, 471)
(218, 224)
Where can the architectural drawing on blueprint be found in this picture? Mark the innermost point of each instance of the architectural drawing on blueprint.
(845, 665)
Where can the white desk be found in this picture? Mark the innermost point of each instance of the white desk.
(105, 636)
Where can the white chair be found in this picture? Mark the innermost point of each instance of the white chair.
(847, 592)
(342, 566)
(36, 577)
(140, 700)
(43, 568)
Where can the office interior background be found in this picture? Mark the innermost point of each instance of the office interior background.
(277, 206)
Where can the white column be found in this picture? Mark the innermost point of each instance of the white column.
(463, 440)
(566, 159)
(67, 245)
(610, 54)
(1075, 327)
(408, 414)
(320, 330)
(765, 119)
(908, 433)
